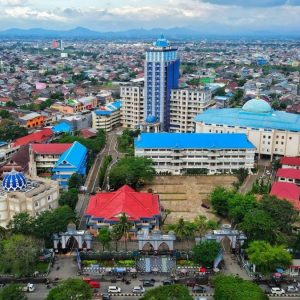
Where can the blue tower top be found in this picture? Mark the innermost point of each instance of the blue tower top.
(161, 42)
(151, 119)
(14, 181)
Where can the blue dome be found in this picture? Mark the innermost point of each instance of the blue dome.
(257, 106)
(151, 119)
(14, 181)
(162, 42)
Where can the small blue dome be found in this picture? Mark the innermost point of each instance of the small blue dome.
(257, 106)
(151, 119)
(162, 42)
(14, 181)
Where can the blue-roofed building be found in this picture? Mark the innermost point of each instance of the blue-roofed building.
(62, 127)
(107, 117)
(272, 132)
(181, 153)
(73, 160)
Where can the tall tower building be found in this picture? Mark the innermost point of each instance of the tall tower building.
(161, 76)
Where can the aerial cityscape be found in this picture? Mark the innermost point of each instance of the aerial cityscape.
(149, 150)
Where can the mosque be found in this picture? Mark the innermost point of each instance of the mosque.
(274, 133)
(20, 194)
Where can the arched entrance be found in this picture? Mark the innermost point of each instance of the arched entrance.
(72, 244)
(148, 248)
(226, 244)
(163, 248)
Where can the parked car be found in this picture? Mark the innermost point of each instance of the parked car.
(199, 289)
(292, 289)
(148, 283)
(29, 288)
(94, 284)
(138, 290)
(167, 282)
(106, 296)
(277, 291)
(191, 282)
(114, 289)
(268, 172)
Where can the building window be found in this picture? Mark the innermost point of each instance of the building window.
(36, 204)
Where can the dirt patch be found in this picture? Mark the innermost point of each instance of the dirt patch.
(183, 195)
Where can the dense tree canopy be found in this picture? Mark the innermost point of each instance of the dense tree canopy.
(134, 171)
(12, 292)
(268, 258)
(234, 288)
(22, 223)
(205, 252)
(170, 292)
(69, 198)
(9, 130)
(71, 289)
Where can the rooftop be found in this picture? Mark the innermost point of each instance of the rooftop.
(291, 161)
(36, 137)
(193, 141)
(288, 173)
(50, 148)
(30, 116)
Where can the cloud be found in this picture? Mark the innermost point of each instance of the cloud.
(254, 3)
(13, 2)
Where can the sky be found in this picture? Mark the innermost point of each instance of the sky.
(213, 16)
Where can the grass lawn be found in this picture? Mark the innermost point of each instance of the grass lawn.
(41, 267)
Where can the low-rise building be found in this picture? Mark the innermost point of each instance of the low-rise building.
(178, 153)
(107, 117)
(288, 175)
(30, 195)
(32, 120)
(290, 162)
(142, 209)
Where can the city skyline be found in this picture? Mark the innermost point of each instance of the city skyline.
(205, 16)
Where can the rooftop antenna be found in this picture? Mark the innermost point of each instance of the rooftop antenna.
(257, 92)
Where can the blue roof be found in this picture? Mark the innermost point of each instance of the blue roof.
(109, 108)
(151, 119)
(257, 106)
(193, 141)
(238, 117)
(74, 156)
(62, 127)
(100, 112)
(14, 181)
(161, 42)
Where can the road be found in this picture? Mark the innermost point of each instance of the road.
(91, 182)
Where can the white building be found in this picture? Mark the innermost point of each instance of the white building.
(19, 194)
(274, 133)
(180, 152)
(185, 105)
(132, 111)
(107, 117)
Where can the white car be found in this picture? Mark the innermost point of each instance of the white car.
(292, 289)
(114, 289)
(29, 288)
(277, 291)
(138, 290)
(268, 172)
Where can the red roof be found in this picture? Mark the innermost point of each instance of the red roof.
(291, 161)
(50, 148)
(288, 191)
(288, 173)
(109, 206)
(88, 133)
(37, 137)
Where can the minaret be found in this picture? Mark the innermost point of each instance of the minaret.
(1, 66)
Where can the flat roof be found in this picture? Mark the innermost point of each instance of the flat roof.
(193, 141)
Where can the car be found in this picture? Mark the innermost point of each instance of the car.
(148, 283)
(29, 288)
(167, 282)
(292, 289)
(277, 291)
(138, 290)
(191, 282)
(199, 289)
(268, 172)
(106, 296)
(114, 289)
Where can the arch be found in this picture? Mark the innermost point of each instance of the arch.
(72, 243)
(226, 243)
(163, 247)
(84, 245)
(148, 247)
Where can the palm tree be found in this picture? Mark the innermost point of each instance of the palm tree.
(184, 229)
(124, 227)
(165, 214)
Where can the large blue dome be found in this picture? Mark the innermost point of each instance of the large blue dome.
(151, 119)
(14, 181)
(257, 106)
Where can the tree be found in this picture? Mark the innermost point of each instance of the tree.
(69, 198)
(205, 252)
(171, 292)
(12, 292)
(219, 199)
(22, 223)
(281, 211)
(75, 181)
(183, 229)
(9, 130)
(134, 171)
(104, 237)
(165, 213)
(116, 234)
(4, 114)
(19, 255)
(235, 288)
(71, 289)
(268, 258)
(258, 225)
(203, 225)
(123, 227)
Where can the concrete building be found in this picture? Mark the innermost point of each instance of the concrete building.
(132, 110)
(185, 105)
(19, 194)
(107, 117)
(161, 76)
(179, 153)
(274, 133)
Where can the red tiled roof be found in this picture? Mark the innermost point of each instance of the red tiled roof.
(50, 148)
(135, 205)
(88, 133)
(288, 191)
(288, 173)
(292, 161)
(36, 137)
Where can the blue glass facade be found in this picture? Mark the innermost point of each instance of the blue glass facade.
(161, 76)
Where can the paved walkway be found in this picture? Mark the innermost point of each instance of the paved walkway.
(67, 267)
(232, 267)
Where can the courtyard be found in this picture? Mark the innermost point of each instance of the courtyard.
(185, 195)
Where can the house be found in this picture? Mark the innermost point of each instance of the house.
(142, 209)
(32, 120)
(288, 175)
(290, 162)
(73, 160)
